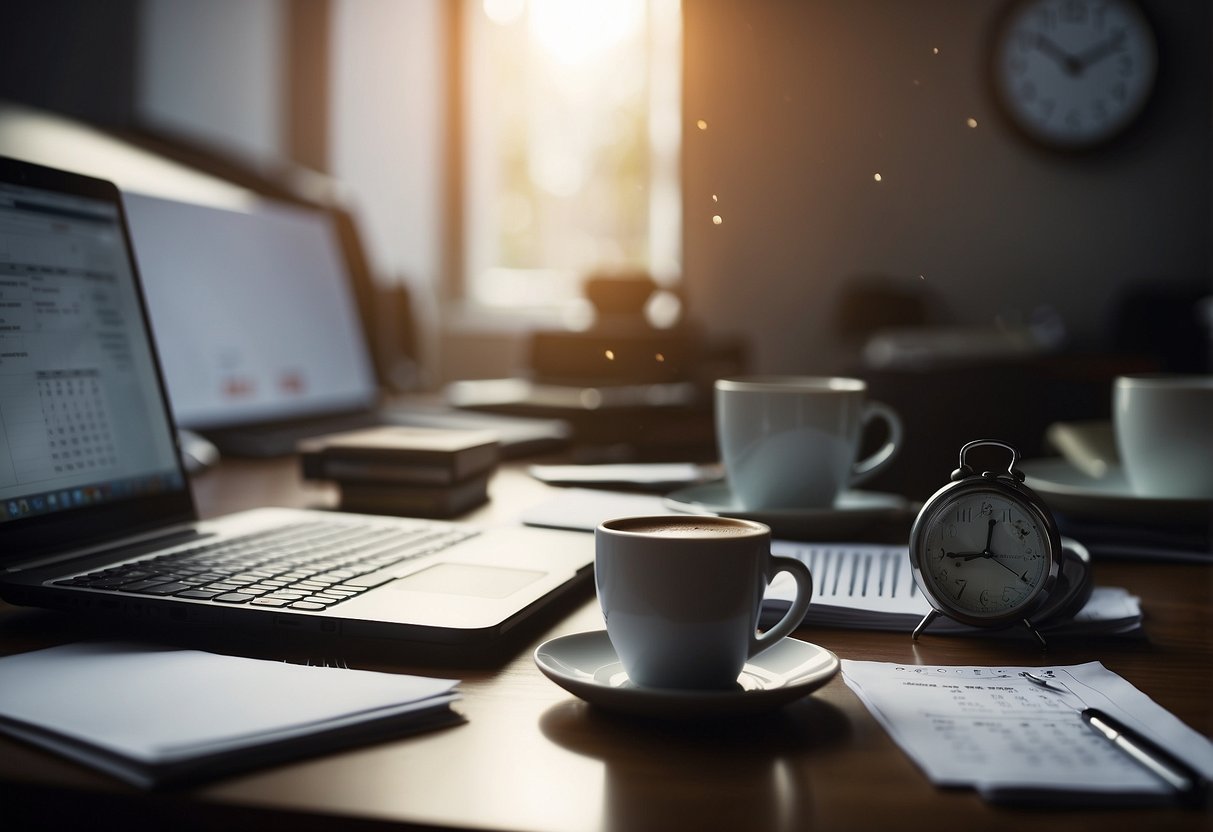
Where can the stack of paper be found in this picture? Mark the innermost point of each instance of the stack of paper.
(872, 587)
(153, 716)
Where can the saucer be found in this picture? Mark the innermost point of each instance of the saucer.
(585, 664)
(857, 515)
(1068, 490)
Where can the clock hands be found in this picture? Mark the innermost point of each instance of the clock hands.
(1009, 569)
(1101, 50)
(984, 553)
(1068, 62)
(987, 553)
(1076, 64)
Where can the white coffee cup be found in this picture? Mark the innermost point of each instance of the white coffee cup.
(681, 595)
(1164, 434)
(791, 441)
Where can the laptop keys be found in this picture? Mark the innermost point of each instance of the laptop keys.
(305, 566)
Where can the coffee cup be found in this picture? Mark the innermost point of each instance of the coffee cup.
(1164, 434)
(790, 442)
(682, 594)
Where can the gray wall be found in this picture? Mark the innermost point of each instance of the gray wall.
(805, 100)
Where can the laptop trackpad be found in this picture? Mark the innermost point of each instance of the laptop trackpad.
(468, 579)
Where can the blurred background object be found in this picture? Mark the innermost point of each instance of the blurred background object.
(836, 187)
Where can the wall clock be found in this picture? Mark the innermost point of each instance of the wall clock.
(1073, 74)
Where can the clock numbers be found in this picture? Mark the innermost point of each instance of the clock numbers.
(1075, 72)
(979, 543)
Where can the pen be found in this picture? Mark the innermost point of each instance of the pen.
(1187, 782)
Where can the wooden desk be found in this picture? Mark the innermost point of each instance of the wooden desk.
(532, 757)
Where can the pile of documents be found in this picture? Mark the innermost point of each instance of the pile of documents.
(153, 716)
(871, 587)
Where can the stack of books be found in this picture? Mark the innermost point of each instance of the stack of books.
(413, 471)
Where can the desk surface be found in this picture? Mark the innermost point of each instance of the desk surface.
(532, 757)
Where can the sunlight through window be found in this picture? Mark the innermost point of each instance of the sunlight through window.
(572, 141)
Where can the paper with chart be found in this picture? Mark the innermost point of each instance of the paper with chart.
(993, 730)
(872, 587)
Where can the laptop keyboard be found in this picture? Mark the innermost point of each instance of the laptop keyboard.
(310, 565)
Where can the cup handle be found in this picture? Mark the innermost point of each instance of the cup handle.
(795, 614)
(865, 468)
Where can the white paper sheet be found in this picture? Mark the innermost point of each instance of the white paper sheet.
(158, 706)
(583, 509)
(990, 728)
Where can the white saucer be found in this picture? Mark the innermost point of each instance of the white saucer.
(1068, 490)
(857, 515)
(585, 664)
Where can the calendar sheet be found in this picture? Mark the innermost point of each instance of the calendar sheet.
(991, 729)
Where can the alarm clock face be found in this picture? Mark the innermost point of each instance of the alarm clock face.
(1074, 73)
(984, 555)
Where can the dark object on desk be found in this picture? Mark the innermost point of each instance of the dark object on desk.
(1190, 541)
(630, 389)
(133, 546)
(937, 409)
(437, 501)
(400, 455)
(518, 436)
(1114, 522)
(415, 472)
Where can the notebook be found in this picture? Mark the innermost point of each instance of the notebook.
(268, 347)
(96, 512)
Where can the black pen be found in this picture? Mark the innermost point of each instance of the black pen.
(1190, 785)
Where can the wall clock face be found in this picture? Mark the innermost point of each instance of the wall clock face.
(1074, 74)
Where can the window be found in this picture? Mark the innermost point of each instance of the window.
(572, 132)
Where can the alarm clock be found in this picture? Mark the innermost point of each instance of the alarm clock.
(1073, 74)
(985, 551)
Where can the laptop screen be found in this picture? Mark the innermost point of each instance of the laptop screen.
(254, 312)
(83, 427)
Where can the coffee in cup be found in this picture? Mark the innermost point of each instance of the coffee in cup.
(1164, 434)
(681, 595)
(790, 442)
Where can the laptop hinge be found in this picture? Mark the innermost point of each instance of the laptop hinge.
(156, 539)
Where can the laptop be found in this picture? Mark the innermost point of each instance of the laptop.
(96, 513)
(268, 345)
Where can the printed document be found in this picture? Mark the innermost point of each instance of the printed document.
(991, 729)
